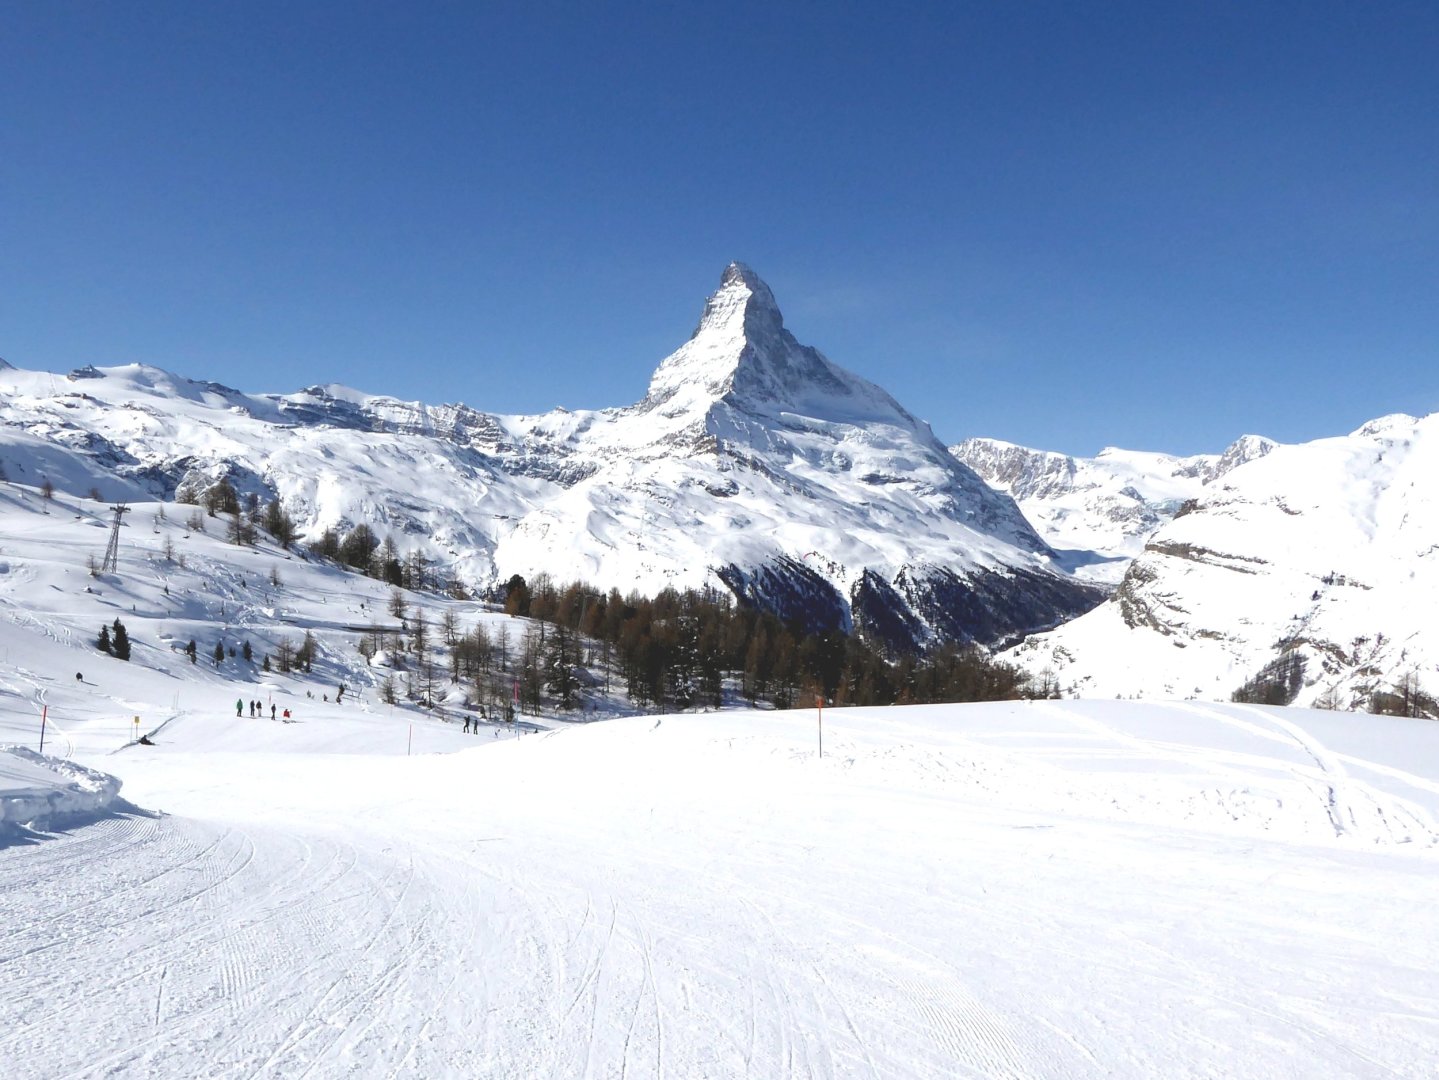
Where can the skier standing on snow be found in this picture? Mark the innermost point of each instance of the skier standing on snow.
(239, 707)
(272, 710)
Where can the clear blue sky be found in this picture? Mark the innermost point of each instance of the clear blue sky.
(1153, 225)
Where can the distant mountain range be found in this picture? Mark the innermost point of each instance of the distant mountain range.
(756, 466)
(1099, 512)
(752, 465)
(1312, 570)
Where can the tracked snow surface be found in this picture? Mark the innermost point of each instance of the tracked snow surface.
(1025, 890)
(753, 464)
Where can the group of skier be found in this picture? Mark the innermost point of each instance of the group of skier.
(257, 708)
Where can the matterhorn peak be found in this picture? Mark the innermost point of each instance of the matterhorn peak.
(743, 303)
(741, 353)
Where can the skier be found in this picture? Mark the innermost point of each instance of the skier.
(272, 710)
(467, 725)
(239, 707)
(287, 714)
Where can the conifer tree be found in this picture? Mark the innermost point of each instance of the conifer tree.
(517, 596)
(120, 641)
(560, 667)
(358, 547)
(305, 655)
(221, 499)
(388, 559)
(328, 545)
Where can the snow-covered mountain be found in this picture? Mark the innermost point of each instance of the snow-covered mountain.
(1323, 557)
(752, 463)
(1099, 512)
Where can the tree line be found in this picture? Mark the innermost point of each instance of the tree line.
(683, 648)
(680, 649)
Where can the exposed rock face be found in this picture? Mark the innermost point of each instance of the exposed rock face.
(752, 463)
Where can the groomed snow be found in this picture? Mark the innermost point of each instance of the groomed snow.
(1012, 890)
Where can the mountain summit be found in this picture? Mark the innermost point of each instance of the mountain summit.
(741, 353)
(753, 465)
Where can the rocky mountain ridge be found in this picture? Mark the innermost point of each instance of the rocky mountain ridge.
(752, 464)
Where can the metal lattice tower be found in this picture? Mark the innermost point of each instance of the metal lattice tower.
(112, 550)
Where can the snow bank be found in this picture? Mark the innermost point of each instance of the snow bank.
(36, 788)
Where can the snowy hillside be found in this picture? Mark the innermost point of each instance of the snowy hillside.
(1325, 553)
(1027, 890)
(1099, 512)
(753, 464)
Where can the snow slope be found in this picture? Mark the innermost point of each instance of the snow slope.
(1324, 551)
(212, 592)
(1014, 890)
(752, 464)
(1044, 889)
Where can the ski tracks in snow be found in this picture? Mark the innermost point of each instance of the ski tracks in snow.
(257, 953)
(1352, 809)
(1355, 809)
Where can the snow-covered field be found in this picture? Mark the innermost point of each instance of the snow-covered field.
(1042, 889)
(1013, 890)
